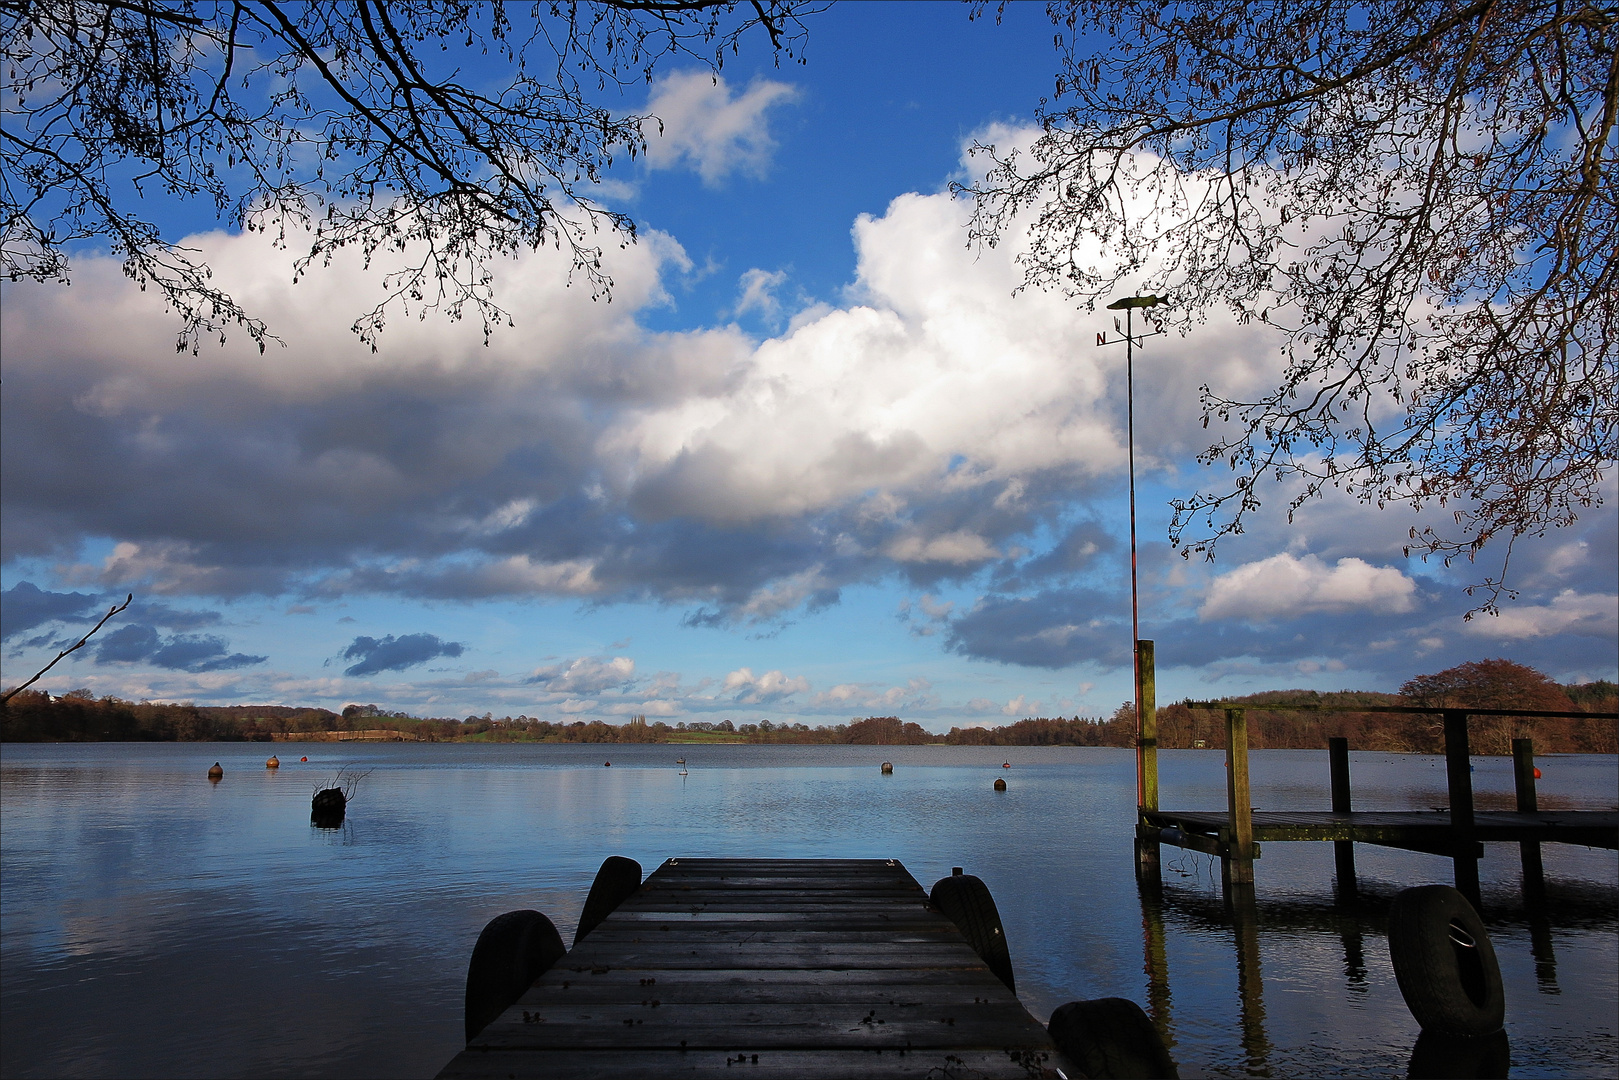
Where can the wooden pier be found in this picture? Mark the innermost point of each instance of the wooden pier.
(1459, 832)
(770, 967)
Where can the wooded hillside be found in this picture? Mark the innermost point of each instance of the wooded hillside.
(34, 716)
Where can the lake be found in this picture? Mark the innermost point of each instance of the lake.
(152, 923)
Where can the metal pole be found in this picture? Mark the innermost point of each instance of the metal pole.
(1135, 608)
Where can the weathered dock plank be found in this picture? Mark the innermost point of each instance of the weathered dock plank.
(1429, 829)
(802, 968)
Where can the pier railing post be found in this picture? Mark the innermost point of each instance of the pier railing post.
(1238, 863)
(1147, 855)
(1343, 850)
(1523, 774)
(1458, 772)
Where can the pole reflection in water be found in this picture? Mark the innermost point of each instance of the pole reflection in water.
(1250, 984)
(1240, 913)
(1157, 961)
(1540, 947)
(1354, 952)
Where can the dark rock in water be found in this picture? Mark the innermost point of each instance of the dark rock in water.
(327, 808)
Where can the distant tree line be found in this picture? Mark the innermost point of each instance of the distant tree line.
(79, 716)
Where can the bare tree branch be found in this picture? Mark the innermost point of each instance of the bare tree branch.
(443, 133)
(1417, 194)
(116, 608)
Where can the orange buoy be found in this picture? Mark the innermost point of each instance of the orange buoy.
(888, 766)
(1006, 764)
(216, 771)
(1000, 784)
(303, 759)
(1537, 772)
(273, 762)
(607, 764)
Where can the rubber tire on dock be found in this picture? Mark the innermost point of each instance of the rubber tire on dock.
(615, 882)
(1452, 988)
(1444, 1057)
(1110, 1037)
(965, 901)
(514, 949)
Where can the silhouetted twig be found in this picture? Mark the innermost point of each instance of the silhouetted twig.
(14, 691)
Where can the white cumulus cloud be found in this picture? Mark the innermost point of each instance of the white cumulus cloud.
(751, 689)
(707, 126)
(586, 675)
(756, 291)
(1284, 586)
(1569, 612)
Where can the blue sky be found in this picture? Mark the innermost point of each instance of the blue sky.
(815, 460)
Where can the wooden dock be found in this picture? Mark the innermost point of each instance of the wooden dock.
(1427, 831)
(770, 967)
(1458, 832)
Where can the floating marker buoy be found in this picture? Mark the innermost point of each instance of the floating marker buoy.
(1537, 772)
(273, 763)
(216, 771)
(607, 764)
(1006, 764)
(303, 759)
(1000, 784)
(888, 766)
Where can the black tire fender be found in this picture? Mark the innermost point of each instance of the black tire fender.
(1444, 963)
(513, 950)
(615, 882)
(965, 901)
(1110, 1037)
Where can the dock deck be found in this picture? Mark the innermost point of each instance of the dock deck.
(1430, 831)
(770, 967)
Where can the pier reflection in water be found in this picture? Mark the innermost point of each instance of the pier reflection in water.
(1242, 922)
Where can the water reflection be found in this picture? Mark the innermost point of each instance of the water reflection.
(1354, 954)
(154, 925)
(1159, 998)
(1250, 981)
(1540, 946)
(1438, 1057)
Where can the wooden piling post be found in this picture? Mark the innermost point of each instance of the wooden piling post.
(1147, 854)
(1523, 774)
(1343, 850)
(1147, 728)
(1238, 864)
(1459, 774)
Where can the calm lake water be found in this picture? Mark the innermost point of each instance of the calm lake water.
(152, 923)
